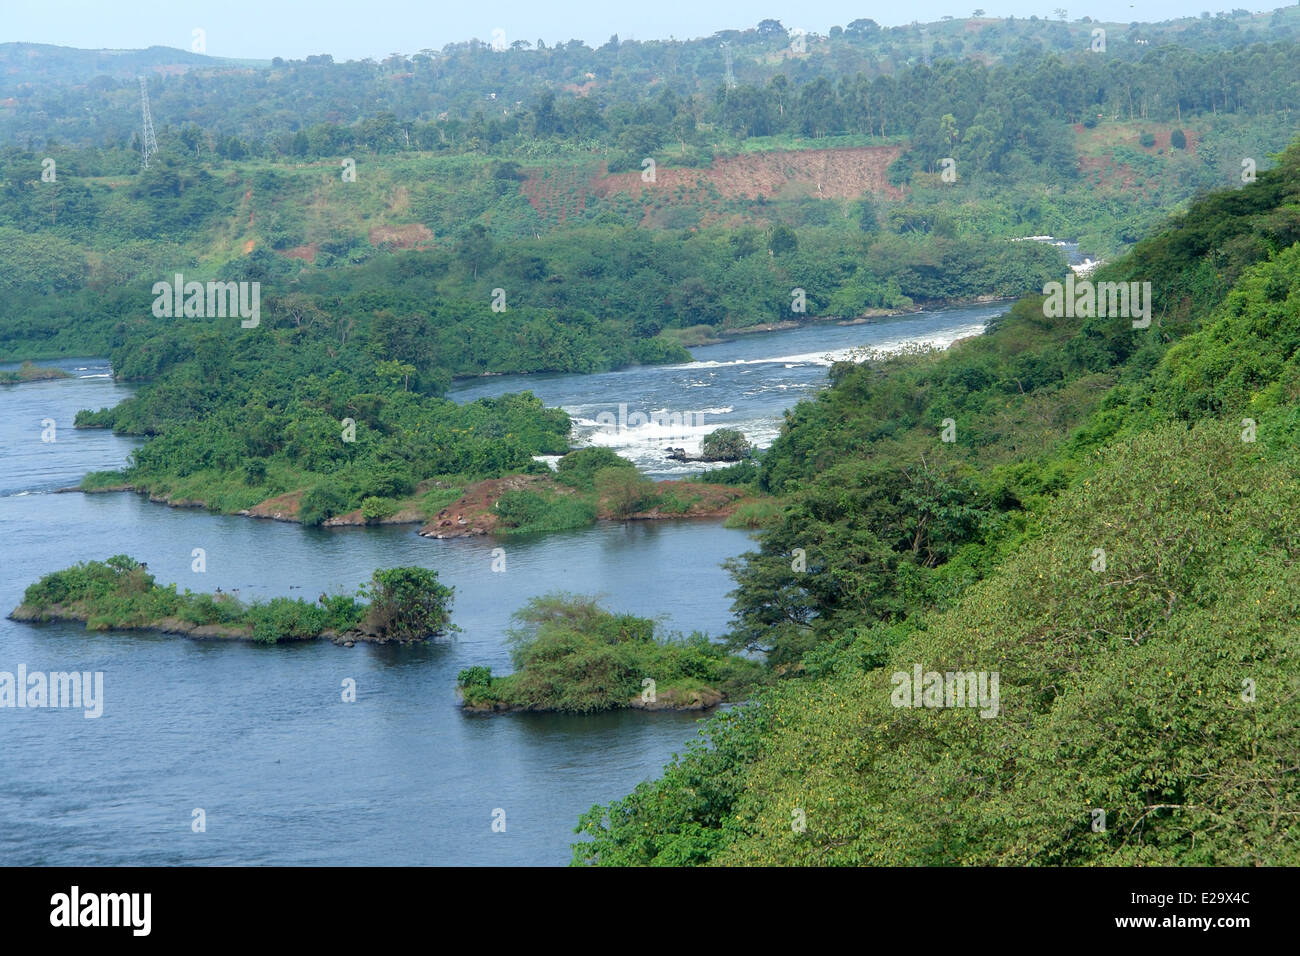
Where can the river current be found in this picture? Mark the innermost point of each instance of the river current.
(260, 739)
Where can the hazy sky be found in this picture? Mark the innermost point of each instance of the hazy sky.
(353, 29)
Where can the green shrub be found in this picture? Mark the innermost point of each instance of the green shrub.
(285, 619)
(321, 502)
(373, 509)
(343, 612)
(725, 444)
(408, 604)
(625, 491)
(572, 656)
(578, 468)
(527, 512)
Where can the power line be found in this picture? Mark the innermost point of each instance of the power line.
(148, 142)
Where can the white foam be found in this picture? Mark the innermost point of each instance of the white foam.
(939, 340)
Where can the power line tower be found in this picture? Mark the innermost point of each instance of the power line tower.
(730, 79)
(148, 142)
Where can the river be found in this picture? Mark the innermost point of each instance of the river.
(260, 739)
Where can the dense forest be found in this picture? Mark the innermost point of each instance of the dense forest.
(1111, 531)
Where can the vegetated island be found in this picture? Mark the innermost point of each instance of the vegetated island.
(572, 656)
(591, 484)
(27, 372)
(400, 605)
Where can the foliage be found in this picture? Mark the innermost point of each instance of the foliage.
(529, 512)
(725, 444)
(572, 656)
(1110, 533)
(625, 491)
(578, 468)
(407, 604)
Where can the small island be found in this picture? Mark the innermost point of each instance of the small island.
(27, 372)
(722, 444)
(572, 656)
(119, 594)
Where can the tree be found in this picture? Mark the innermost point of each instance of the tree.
(624, 490)
(1178, 139)
(394, 372)
(407, 604)
(782, 240)
(867, 219)
(862, 27)
(725, 444)
(475, 248)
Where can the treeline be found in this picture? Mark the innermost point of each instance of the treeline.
(997, 119)
(261, 108)
(587, 299)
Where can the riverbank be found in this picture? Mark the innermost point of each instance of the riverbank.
(697, 336)
(475, 510)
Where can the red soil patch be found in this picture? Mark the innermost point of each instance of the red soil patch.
(280, 508)
(821, 173)
(472, 513)
(562, 193)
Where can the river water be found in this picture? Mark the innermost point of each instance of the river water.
(260, 739)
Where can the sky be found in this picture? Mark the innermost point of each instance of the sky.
(355, 29)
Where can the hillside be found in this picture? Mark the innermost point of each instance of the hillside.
(1109, 542)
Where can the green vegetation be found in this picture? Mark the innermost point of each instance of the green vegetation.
(532, 512)
(572, 656)
(1111, 531)
(27, 372)
(755, 514)
(255, 429)
(595, 482)
(472, 244)
(405, 604)
(725, 444)
(579, 467)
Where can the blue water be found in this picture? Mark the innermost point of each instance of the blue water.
(260, 739)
